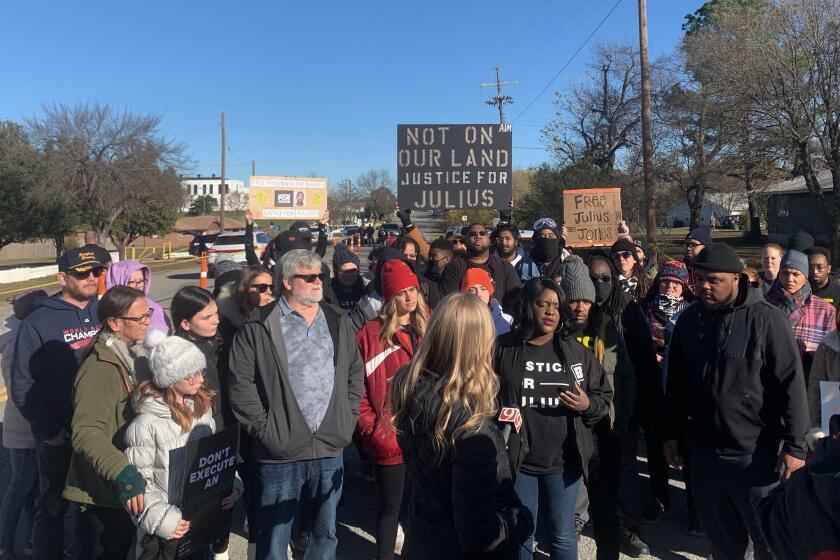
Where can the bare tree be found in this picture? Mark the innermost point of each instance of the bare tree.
(785, 64)
(696, 133)
(600, 116)
(376, 189)
(344, 201)
(101, 154)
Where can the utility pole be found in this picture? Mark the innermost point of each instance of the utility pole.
(499, 100)
(647, 142)
(253, 168)
(223, 187)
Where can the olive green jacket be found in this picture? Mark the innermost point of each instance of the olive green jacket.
(101, 413)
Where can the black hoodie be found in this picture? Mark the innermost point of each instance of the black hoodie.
(49, 347)
(735, 381)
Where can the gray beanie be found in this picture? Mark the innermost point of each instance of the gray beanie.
(797, 260)
(224, 264)
(174, 359)
(576, 283)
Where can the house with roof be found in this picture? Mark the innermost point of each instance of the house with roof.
(791, 208)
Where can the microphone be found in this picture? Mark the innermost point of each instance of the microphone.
(512, 419)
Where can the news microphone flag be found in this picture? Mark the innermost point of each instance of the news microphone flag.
(511, 415)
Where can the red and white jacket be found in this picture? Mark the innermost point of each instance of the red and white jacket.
(378, 438)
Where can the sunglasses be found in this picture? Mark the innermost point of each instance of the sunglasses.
(145, 318)
(692, 244)
(97, 272)
(457, 241)
(310, 278)
(480, 233)
(623, 255)
(262, 288)
(602, 278)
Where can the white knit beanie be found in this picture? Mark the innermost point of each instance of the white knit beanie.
(174, 359)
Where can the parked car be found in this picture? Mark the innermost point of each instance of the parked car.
(195, 246)
(349, 232)
(733, 221)
(233, 243)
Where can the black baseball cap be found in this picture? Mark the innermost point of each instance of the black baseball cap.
(80, 259)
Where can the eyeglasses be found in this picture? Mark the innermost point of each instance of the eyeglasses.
(261, 288)
(479, 233)
(131, 284)
(457, 241)
(310, 278)
(97, 272)
(145, 318)
(692, 244)
(623, 255)
(602, 278)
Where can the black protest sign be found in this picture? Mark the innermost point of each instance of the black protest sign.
(208, 479)
(454, 166)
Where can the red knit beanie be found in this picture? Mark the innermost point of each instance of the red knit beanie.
(396, 277)
(477, 276)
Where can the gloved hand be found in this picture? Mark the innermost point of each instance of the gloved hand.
(405, 217)
(129, 483)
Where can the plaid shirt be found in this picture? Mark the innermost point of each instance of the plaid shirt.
(811, 320)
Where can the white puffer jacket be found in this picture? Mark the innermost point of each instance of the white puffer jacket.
(150, 438)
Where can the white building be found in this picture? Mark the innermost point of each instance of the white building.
(237, 195)
(719, 204)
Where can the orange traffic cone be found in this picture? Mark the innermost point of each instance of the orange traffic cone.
(202, 281)
(100, 291)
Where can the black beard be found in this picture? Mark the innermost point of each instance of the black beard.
(475, 252)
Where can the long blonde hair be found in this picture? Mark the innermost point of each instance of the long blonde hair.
(391, 322)
(182, 414)
(458, 346)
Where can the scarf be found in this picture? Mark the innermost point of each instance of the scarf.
(129, 357)
(629, 285)
(791, 304)
(660, 311)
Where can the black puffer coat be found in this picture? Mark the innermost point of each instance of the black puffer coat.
(463, 504)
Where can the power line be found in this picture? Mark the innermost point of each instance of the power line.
(574, 55)
(536, 57)
(522, 32)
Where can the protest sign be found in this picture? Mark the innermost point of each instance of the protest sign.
(287, 198)
(208, 478)
(441, 167)
(591, 216)
(830, 402)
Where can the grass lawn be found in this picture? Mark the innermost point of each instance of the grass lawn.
(670, 244)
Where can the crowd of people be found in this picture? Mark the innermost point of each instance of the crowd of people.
(497, 397)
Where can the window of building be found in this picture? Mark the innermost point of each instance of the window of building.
(204, 189)
(782, 208)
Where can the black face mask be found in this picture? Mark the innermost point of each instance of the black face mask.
(546, 249)
(602, 292)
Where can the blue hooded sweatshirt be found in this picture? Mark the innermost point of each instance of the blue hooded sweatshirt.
(50, 344)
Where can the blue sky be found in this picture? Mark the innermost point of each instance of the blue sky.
(315, 86)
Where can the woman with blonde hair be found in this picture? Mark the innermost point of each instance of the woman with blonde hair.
(444, 405)
(387, 343)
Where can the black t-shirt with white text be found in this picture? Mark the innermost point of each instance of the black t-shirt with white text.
(548, 424)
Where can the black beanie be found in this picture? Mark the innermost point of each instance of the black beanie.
(800, 241)
(624, 244)
(342, 256)
(718, 257)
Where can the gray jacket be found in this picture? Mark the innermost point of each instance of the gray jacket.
(262, 398)
(149, 439)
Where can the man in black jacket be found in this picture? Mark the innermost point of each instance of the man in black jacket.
(736, 391)
(295, 384)
(505, 278)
